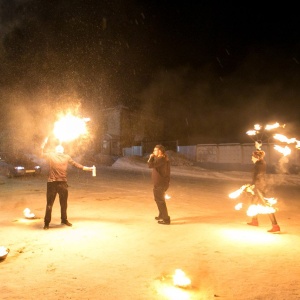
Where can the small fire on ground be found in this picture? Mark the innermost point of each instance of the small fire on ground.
(28, 214)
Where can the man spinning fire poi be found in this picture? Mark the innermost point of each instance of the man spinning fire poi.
(58, 164)
(258, 180)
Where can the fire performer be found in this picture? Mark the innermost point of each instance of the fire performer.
(57, 182)
(160, 164)
(259, 182)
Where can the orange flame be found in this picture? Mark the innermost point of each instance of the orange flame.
(246, 187)
(273, 126)
(284, 139)
(285, 151)
(251, 132)
(238, 206)
(271, 201)
(69, 128)
(28, 214)
(180, 279)
(257, 127)
(167, 197)
(255, 209)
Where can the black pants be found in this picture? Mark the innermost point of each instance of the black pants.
(54, 188)
(159, 197)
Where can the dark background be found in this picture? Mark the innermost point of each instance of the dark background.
(210, 69)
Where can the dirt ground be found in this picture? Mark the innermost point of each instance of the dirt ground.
(116, 250)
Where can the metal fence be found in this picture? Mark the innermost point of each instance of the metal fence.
(230, 156)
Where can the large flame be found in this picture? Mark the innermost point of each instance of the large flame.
(255, 209)
(285, 151)
(180, 279)
(69, 128)
(282, 138)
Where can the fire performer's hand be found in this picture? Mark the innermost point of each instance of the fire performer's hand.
(88, 169)
(151, 156)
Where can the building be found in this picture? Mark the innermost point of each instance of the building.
(120, 128)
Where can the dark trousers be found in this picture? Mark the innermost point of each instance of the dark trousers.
(54, 188)
(159, 197)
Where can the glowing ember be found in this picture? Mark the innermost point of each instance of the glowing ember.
(238, 206)
(180, 279)
(254, 210)
(28, 214)
(257, 127)
(69, 128)
(167, 197)
(251, 132)
(271, 201)
(285, 151)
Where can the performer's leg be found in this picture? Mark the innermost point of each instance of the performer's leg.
(159, 196)
(273, 219)
(254, 201)
(51, 194)
(63, 200)
(275, 227)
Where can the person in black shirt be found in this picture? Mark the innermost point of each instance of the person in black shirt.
(160, 164)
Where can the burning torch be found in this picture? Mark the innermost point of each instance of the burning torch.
(69, 128)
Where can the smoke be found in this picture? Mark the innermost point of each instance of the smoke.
(28, 120)
(282, 166)
(57, 55)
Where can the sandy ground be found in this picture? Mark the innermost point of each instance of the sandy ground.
(116, 250)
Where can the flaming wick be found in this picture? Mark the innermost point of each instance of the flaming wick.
(180, 279)
(28, 214)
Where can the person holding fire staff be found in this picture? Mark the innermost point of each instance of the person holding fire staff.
(160, 164)
(258, 180)
(57, 182)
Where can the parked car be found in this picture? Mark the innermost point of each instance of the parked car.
(17, 164)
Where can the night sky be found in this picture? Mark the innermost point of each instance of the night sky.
(210, 69)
